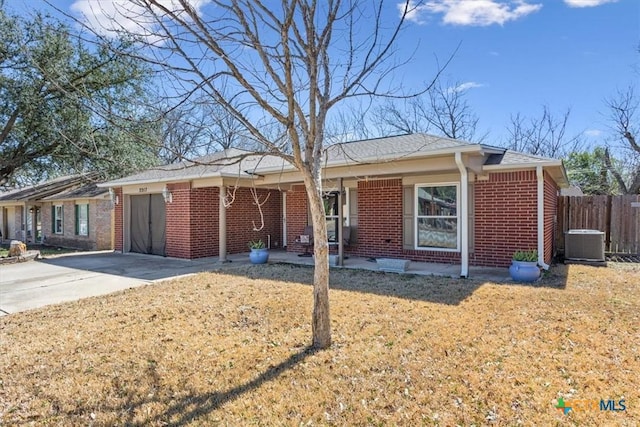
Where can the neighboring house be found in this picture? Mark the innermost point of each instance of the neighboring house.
(67, 211)
(416, 197)
(573, 191)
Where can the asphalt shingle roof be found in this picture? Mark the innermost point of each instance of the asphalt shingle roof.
(47, 189)
(234, 161)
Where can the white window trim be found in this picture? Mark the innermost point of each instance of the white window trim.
(55, 219)
(86, 209)
(415, 216)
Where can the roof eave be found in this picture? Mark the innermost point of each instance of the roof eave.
(561, 179)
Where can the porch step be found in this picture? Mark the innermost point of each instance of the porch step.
(393, 265)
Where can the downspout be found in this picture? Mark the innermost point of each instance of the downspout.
(540, 176)
(340, 222)
(222, 225)
(464, 216)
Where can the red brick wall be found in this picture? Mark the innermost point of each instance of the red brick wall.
(244, 213)
(192, 221)
(297, 203)
(178, 221)
(118, 221)
(204, 222)
(379, 218)
(380, 224)
(505, 217)
(550, 215)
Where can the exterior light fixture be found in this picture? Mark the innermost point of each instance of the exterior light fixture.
(168, 197)
(113, 196)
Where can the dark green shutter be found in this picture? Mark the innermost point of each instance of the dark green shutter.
(87, 207)
(53, 219)
(77, 219)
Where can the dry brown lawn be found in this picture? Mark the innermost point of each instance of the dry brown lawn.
(229, 348)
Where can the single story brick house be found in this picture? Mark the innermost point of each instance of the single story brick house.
(70, 211)
(415, 197)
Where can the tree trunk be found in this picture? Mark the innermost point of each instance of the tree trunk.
(321, 323)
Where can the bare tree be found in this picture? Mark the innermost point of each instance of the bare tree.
(442, 110)
(623, 109)
(193, 130)
(284, 66)
(544, 136)
(352, 124)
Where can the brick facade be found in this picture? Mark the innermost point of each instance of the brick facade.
(297, 217)
(506, 209)
(243, 214)
(99, 237)
(550, 216)
(178, 221)
(505, 220)
(192, 221)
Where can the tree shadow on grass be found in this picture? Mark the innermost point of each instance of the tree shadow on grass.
(190, 407)
(436, 289)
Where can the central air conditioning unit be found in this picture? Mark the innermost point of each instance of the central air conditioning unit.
(584, 245)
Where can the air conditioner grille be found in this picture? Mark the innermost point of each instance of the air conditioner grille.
(585, 245)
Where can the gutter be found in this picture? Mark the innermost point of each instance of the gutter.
(540, 176)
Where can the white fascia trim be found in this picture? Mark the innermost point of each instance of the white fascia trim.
(520, 166)
(540, 176)
(464, 215)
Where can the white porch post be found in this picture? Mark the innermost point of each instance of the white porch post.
(464, 216)
(222, 225)
(540, 176)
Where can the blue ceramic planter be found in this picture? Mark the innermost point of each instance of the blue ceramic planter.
(259, 256)
(524, 271)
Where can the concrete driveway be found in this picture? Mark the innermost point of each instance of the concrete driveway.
(38, 283)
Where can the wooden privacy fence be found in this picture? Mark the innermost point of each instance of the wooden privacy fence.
(617, 216)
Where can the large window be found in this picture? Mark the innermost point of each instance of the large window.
(437, 217)
(82, 220)
(58, 223)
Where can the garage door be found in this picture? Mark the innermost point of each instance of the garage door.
(148, 224)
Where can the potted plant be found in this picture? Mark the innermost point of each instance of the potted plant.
(524, 266)
(259, 252)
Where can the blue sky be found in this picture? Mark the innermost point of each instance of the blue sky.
(517, 55)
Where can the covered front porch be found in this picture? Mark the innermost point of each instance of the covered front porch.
(491, 274)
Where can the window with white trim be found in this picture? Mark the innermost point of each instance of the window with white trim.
(58, 223)
(82, 219)
(437, 216)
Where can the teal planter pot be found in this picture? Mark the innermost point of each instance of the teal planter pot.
(524, 271)
(259, 256)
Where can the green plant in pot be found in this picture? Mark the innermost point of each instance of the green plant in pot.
(524, 266)
(259, 252)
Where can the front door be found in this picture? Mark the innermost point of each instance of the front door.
(148, 224)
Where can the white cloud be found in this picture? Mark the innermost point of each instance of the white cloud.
(465, 86)
(587, 3)
(593, 133)
(471, 12)
(109, 16)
